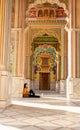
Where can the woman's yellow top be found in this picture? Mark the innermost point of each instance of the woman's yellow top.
(25, 91)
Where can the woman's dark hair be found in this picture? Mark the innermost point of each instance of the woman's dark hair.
(25, 85)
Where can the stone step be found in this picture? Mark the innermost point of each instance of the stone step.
(48, 93)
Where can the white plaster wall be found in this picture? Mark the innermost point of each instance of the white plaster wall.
(17, 87)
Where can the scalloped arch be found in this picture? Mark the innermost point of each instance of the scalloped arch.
(52, 51)
(61, 4)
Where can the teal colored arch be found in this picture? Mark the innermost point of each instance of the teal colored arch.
(52, 51)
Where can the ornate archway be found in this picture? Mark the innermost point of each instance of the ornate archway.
(47, 36)
(45, 60)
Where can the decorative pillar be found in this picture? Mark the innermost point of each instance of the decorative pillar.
(76, 49)
(62, 62)
(69, 65)
(5, 26)
(57, 70)
(17, 43)
(71, 50)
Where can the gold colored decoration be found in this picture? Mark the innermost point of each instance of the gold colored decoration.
(45, 65)
(44, 61)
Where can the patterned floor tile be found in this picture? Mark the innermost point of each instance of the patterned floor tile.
(31, 128)
(62, 122)
(21, 117)
(75, 126)
(48, 126)
(65, 129)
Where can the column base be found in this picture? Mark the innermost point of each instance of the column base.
(17, 87)
(62, 87)
(76, 88)
(4, 103)
(58, 86)
(5, 93)
(73, 88)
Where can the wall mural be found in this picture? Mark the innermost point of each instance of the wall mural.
(46, 11)
(36, 3)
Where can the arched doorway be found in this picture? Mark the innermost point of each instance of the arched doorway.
(45, 57)
(47, 36)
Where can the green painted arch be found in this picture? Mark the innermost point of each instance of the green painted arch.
(45, 38)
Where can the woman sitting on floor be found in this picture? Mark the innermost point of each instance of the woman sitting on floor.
(27, 93)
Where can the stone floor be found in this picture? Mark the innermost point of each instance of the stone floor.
(45, 113)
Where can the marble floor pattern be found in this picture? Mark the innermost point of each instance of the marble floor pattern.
(45, 113)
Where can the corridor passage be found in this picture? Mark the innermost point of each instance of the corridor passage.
(45, 113)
